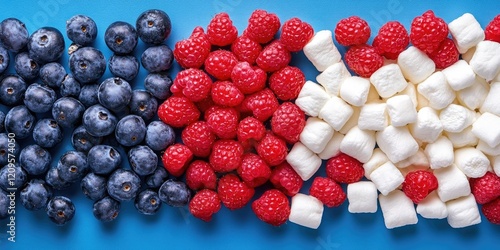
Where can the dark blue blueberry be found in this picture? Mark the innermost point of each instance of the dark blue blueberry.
(114, 93)
(87, 64)
(94, 186)
(72, 166)
(103, 159)
(174, 193)
(12, 90)
(157, 58)
(126, 67)
(26, 67)
(99, 121)
(60, 210)
(81, 140)
(13, 34)
(46, 45)
(123, 185)
(70, 87)
(2, 119)
(121, 37)
(39, 98)
(67, 111)
(157, 178)
(153, 26)
(88, 95)
(35, 195)
(53, 179)
(8, 146)
(81, 29)
(6, 199)
(53, 74)
(47, 133)
(19, 121)
(158, 85)
(12, 177)
(106, 209)
(143, 160)
(35, 160)
(147, 202)
(130, 130)
(4, 59)
(143, 104)
(159, 135)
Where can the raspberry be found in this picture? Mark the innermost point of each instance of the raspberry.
(205, 104)
(428, 31)
(225, 93)
(352, 31)
(246, 49)
(287, 82)
(204, 204)
(234, 193)
(391, 40)
(221, 31)
(192, 52)
(492, 30)
(176, 159)
(262, 104)
(253, 170)
(295, 34)
(272, 207)
(200, 175)
(288, 121)
(220, 64)
(178, 111)
(445, 55)
(198, 137)
(250, 130)
(223, 122)
(194, 84)
(485, 188)
(363, 60)
(273, 57)
(418, 184)
(344, 169)
(226, 156)
(248, 79)
(272, 149)
(284, 178)
(327, 191)
(491, 211)
(262, 26)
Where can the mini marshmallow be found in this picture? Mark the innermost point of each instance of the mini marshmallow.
(373, 116)
(401, 110)
(440, 153)
(358, 144)
(491, 103)
(397, 143)
(421, 101)
(353, 121)
(418, 159)
(415, 65)
(354, 90)
(336, 112)
(452, 183)
(321, 51)
(483, 147)
(471, 161)
(412, 168)
(469, 54)
(312, 98)
(373, 96)
(386, 178)
(486, 62)
(332, 148)
(388, 80)
(456, 118)
(465, 138)
(398, 210)
(362, 197)
(411, 91)
(306, 211)
(428, 127)
(466, 32)
(463, 212)
(487, 129)
(473, 97)
(305, 162)
(496, 165)
(432, 207)
(459, 75)
(332, 78)
(437, 91)
(378, 158)
(316, 134)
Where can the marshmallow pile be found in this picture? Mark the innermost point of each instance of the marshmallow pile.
(446, 121)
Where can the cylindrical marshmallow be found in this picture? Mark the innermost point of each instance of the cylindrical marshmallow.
(305, 162)
(362, 197)
(332, 78)
(466, 32)
(388, 80)
(386, 178)
(415, 65)
(321, 51)
(452, 183)
(487, 129)
(468, 55)
(463, 212)
(316, 134)
(428, 127)
(437, 91)
(432, 207)
(456, 118)
(373, 116)
(397, 143)
(471, 161)
(401, 110)
(306, 211)
(440, 153)
(485, 62)
(487, 150)
(465, 138)
(378, 158)
(473, 97)
(418, 159)
(312, 97)
(411, 91)
(354, 90)
(491, 103)
(398, 210)
(459, 75)
(332, 148)
(336, 112)
(358, 144)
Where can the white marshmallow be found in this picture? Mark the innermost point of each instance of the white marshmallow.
(459, 75)
(487, 149)
(332, 78)
(496, 165)
(432, 207)
(437, 91)
(463, 212)
(305, 162)
(353, 121)
(411, 91)
(471, 161)
(398, 210)
(362, 197)
(465, 138)
(486, 62)
(456, 118)
(354, 90)
(306, 211)
(312, 97)
(373, 96)
(358, 144)
(401, 110)
(386, 178)
(428, 127)
(440, 153)
(469, 54)
(378, 158)
(332, 148)
(373, 116)
(466, 32)
(415, 65)
(487, 129)
(412, 168)
(452, 183)
(321, 51)
(397, 143)
(473, 97)
(336, 112)
(388, 80)
(421, 101)
(418, 159)
(491, 103)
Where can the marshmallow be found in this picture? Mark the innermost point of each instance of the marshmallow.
(418, 159)
(398, 210)
(491, 103)
(437, 91)
(388, 80)
(468, 55)
(428, 127)
(332, 148)
(471, 161)
(487, 129)
(401, 110)
(452, 183)
(421, 101)
(306, 211)
(386, 178)
(465, 138)
(473, 97)
(362, 197)
(312, 98)
(316, 134)
(373, 116)
(373, 96)
(411, 91)
(332, 78)
(459, 75)
(354, 90)
(305, 162)
(336, 112)
(397, 143)
(483, 147)
(486, 62)
(378, 158)
(440, 153)
(353, 121)
(412, 168)
(463, 212)
(456, 118)
(358, 144)
(321, 51)
(432, 207)
(466, 32)
(496, 165)
(415, 65)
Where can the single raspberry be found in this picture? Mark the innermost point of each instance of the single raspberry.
(363, 60)
(485, 188)
(234, 193)
(204, 204)
(220, 64)
(327, 191)
(262, 26)
(428, 31)
(192, 52)
(223, 122)
(250, 130)
(262, 104)
(176, 159)
(287, 82)
(178, 111)
(272, 207)
(226, 156)
(246, 49)
(194, 84)
(344, 169)
(273, 57)
(205, 104)
(418, 184)
(272, 149)
(288, 121)
(352, 31)
(492, 30)
(225, 93)
(221, 31)
(198, 137)
(295, 34)
(253, 170)
(284, 178)
(200, 175)
(491, 211)
(248, 79)
(391, 40)
(446, 54)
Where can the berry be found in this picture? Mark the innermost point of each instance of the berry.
(288, 121)
(60, 210)
(106, 209)
(220, 64)
(72, 166)
(250, 130)
(20, 121)
(234, 193)
(26, 67)
(87, 64)
(363, 60)
(272, 207)
(418, 184)
(143, 104)
(262, 104)
(158, 84)
(13, 89)
(344, 169)
(391, 40)
(262, 26)
(221, 31)
(272, 149)
(130, 130)
(156, 59)
(205, 104)
(246, 49)
(53, 179)
(445, 55)
(352, 31)
(200, 175)
(204, 204)
(176, 159)
(153, 26)
(295, 34)
(114, 93)
(13, 34)
(4, 59)
(53, 74)
(287, 82)
(485, 188)
(123, 185)
(428, 31)
(35, 195)
(174, 193)
(225, 93)
(81, 30)
(38, 98)
(193, 51)
(157, 178)
(103, 159)
(68, 112)
(327, 191)
(147, 202)
(94, 186)
(6, 173)
(198, 137)
(34, 159)
(248, 79)
(195, 84)
(81, 140)
(492, 30)
(226, 156)
(143, 160)
(70, 87)
(178, 111)
(126, 67)
(284, 178)
(88, 94)
(46, 45)
(491, 211)
(47, 133)
(223, 122)
(121, 37)
(253, 170)
(273, 57)
(4, 204)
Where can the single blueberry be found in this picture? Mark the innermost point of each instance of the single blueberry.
(143, 104)
(83, 141)
(114, 93)
(26, 67)
(126, 67)
(53, 74)
(2, 119)
(4, 59)
(99, 121)
(70, 87)
(153, 26)
(147, 202)
(143, 160)
(53, 179)
(47, 133)
(60, 210)
(5, 199)
(35, 195)
(12, 177)
(39, 98)
(158, 85)
(35, 160)
(156, 59)
(88, 95)
(87, 64)
(103, 159)
(12, 90)
(67, 111)
(130, 130)
(13, 34)
(121, 37)
(81, 29)
(174, 193)
(94, 186)
(19, 121)
(72, 166)
(106, 209)
(123, 185)
(159, 135)
(46, 45)
(157, 178)
(8, 145)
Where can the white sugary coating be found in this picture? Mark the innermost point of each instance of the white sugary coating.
(373, 116)
(437, 91)
(316, 134)
(354, 90)
(362, 197)
(440, 153)
(312, 97)
(415, 65)
(397, 143)
(456, 118)
(432, 207)
(386, 178)
(388, 80)
(491, 103)
(401, 110)
(418, 159)
(473, 97)
(332, 148)
(428, 126)
(459, 75)
(336, 112)
(398, 210)
(378, 158)
(463, 212)
(305, 162)
(353, 121)
(465, 138)
(358, 144)
(471, 161)
(485, 62)
(306, 211)
(452, 183)
(321, 50)
(487, 129)
(487, 150)
(466, 32)
(331, 79)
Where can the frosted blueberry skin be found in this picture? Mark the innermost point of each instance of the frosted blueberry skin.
(175, 193)
(81, 30)
(114, 93)
(81, 140)
(72, 166)
(4, 59)
(130, 130)
(143, 104)
(88, 95)
(60, 210)
(147, 202)
(46, 45)
(123, 185)
(13, 34)
(94, 186)
(53, 74)
(143, 160)
(159, 135)
(103, 159)
(99, 121)
(126, 67)
(4, 204)
(12, 89)
(47, 133)
(158, 85)
(35, 160)
(18, 182)
(106, 209)
(35, 195)
(39, 98)
(20, 121)
(4, 149)
(153, 26)
(157, 178)
(87, 64)
(157, 59)
(121, 38)
(2, 119)
(68, 111)
(53, 179)
(70, 87)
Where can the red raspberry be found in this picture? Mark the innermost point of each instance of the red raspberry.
(176, 159)
(221, 31)
(287, 82)
(226, 156)
(491, 211)
(194, 84)
(273, 57)
(391, 40)
(327, 191)
(198, 137)
(288, 121)
(492, 30)
(200, 175)
(178, 111)
(262, 104)
(272, 149)
(225, 93)
(205, 104)
(223, 122)
(192, 52)
(428, 31)
(246, 49)
(262, 26)
(220, 64)
(485, 188)
(418, 184)
(284, 178)
(344, 169)
(250, 130)
(295, 34)
(253, 170)
(363, 60)
(234, 193)
(248, 79)
(272, 207)
(446, 54)
(204, 204)
(352, 31)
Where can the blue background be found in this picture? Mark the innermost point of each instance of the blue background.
(175, 228)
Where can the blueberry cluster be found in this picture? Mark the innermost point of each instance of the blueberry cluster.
(108, 122)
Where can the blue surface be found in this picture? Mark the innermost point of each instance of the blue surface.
(175, 228)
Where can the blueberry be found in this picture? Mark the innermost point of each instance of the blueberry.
(67, 111)
(12, 176)
(88, 95)
(157, 178)
(158, 85)
(53, 179)
(174, 193)
(13, 34)
(39, 98)
(114, 93)
(143, 104)
(99, 121)
(142, 160)
(81, 140)
(4, 59)
(19, 121)
(2, 119)
(130, 130)
(81, 29)
(159, 135)
(6, 149)
(5, 199)
(46, 45)
(126, 67)
(123, 185)
(94, 186)
(72, 166)
(47, 133)
(12, 90)
(157, 58)
(103, 159)
(35, 160)
(87, 64)
(26, 67)
(121, 37)
(153, 26)
(147, 202)
(53, 74)
(70, 87)
(60, 210)
(106, 209)
(35, 195)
